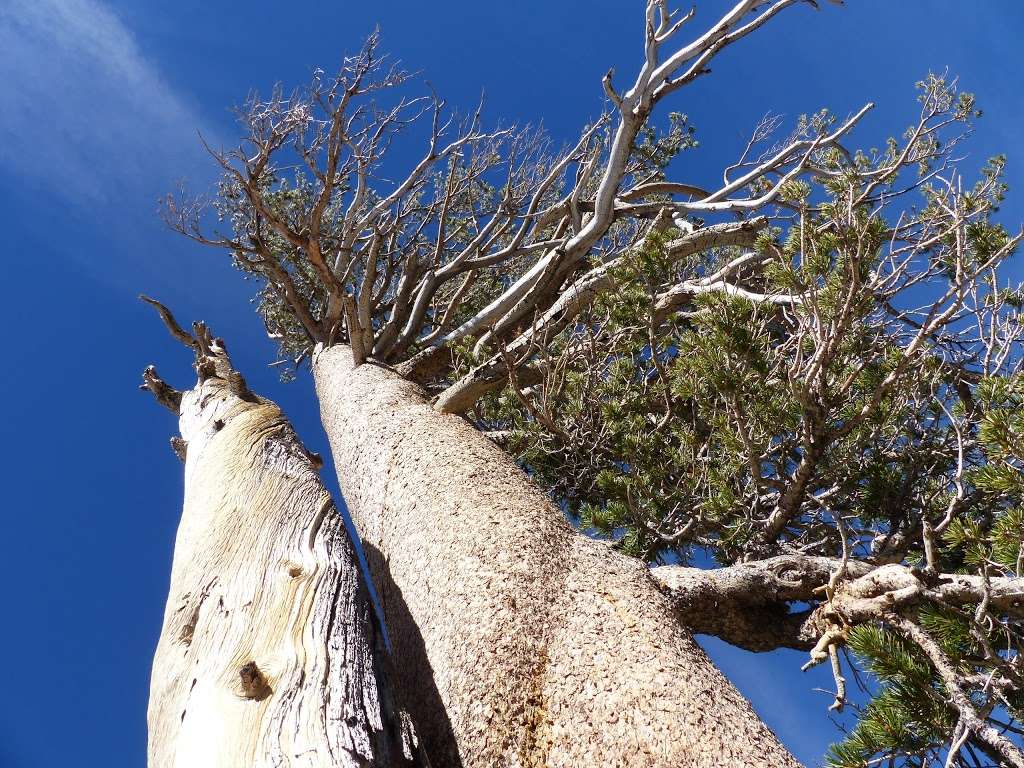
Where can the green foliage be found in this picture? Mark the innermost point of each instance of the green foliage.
(656, 149)
(910, 716)
(732, 425)
(844, 382)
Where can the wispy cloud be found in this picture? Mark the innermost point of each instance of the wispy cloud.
(83, 112)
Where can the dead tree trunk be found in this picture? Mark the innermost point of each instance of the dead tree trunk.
(269, 654)
(527, 644)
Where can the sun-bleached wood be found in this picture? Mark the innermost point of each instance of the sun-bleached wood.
(269, 655)
(527, 644)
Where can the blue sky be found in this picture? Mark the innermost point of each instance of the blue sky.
(100, 105)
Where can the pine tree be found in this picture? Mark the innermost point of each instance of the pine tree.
(796, 396)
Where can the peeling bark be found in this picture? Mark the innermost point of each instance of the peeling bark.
(269, 654)
(527, 644)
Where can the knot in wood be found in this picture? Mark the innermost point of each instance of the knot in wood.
(254, 684)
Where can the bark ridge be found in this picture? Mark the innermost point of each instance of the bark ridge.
(269, 654)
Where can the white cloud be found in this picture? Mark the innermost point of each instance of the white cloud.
(82, 111)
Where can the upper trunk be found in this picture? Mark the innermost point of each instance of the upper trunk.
(528, 643)
(268, 654)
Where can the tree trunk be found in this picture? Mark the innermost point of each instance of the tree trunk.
(269, 654)
(527, 644)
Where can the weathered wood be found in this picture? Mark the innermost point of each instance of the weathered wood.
(269, 654)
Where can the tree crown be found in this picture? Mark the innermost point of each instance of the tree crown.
(811, 373)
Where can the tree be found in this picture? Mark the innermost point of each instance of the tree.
(269, 648)
(807, 377)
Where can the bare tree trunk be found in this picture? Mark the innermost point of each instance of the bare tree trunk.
(528, 644)
(269, 654)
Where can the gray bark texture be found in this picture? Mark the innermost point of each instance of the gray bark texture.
(524, 643)
(748, 604)
(269, 653)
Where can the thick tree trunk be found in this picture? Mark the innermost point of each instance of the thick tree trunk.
(527, 643)
(268, 654)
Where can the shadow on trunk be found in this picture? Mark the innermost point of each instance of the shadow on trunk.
(412, 675)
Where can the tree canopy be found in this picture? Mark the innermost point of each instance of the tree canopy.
(798, 393)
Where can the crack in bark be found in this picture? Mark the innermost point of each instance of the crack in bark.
(257, 517)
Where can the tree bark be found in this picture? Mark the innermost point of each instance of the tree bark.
(527, 644)
(748, 604)
(269, 655)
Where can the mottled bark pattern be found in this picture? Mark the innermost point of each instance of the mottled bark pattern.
(268, 654)
(543, 648)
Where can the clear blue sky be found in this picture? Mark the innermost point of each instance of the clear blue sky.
(100, 101)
